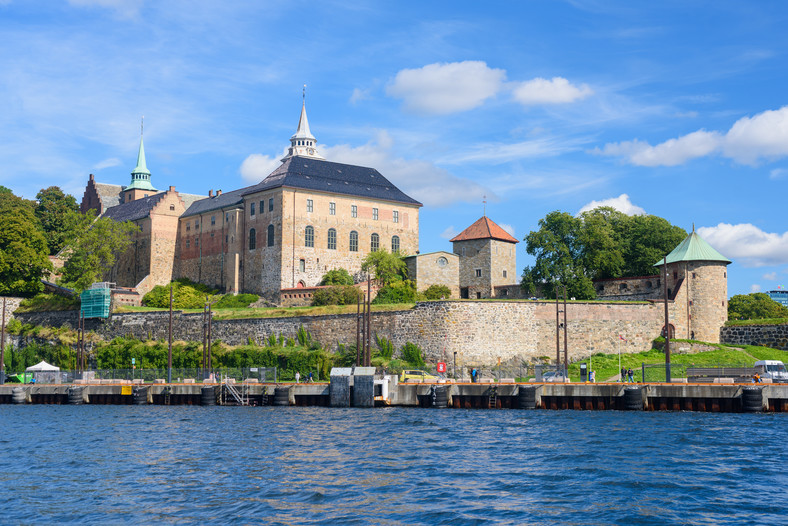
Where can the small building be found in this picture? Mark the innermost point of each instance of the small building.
(435, 268)
(488, 260)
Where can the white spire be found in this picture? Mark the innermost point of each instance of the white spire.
(303, 143)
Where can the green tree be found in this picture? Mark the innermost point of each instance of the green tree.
(337, 276)
(94, 249)
(647, 240)
(386, 267)
(23, 248)
(336, 295)
(436, 292)
(58, 215)
(403, 291)
(755, 306)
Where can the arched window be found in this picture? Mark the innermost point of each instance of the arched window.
(332, 239)
(354, 241)
(270, 235)
(252, 239)
(374, 244)
(394, 244)
(309, 236)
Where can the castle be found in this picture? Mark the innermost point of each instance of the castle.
(311, 215)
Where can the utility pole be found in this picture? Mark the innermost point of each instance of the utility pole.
(169, 346)
(667, 321)
(566, 344)
(204, 337)
(210, 334)
(368, 354)
(358, 326)
(557, 332)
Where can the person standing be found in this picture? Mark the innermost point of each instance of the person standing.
(623, 374)
(631, 375)
(298, 377)
(592, 377)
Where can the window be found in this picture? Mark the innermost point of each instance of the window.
(196, 242)
(188, 226)
(270, 235)
(374, 244)
(478, 272)
(213, 220)
(375, 214)
(309, 205)
(302, 265)
(196, 224)
(227, 217)
(251, 210)
(394, 244)
(353, 211)
(395, 216)
(354, 241)
(693, 275)
(504, 273)
(225, 239)
(504, 292)
(332, 209)
(332, 239)
(271, 204)
(211, 234)
(172, 207)
(442, 261)
(252, 239)
(309, 236)
(188, 243)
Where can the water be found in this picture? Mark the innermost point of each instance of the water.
(116, 464)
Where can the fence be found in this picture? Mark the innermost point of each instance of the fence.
(657, 372)
(263, 374)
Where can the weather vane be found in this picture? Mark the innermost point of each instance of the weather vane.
(142, 124)
(304, 93)
(484, 204)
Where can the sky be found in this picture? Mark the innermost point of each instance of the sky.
(675, 108)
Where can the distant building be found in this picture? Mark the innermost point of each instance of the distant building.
(780, 296)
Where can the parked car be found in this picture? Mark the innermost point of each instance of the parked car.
(412, 375)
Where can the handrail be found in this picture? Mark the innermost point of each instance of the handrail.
(233, 391)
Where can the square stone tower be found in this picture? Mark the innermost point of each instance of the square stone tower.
(488, 259)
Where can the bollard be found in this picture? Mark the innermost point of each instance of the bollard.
(633, 399)
(75, 396)
(526, 397)
(208, 396)
(282, 396)
(140, 396)
(752, 399)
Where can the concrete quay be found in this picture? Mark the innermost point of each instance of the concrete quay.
(387, 392)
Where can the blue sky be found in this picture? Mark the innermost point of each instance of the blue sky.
(677, 109)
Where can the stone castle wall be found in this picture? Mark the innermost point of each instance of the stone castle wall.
(480, 332)
(435, 268)
(775, 336)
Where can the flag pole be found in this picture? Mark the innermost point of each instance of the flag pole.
(619, 356)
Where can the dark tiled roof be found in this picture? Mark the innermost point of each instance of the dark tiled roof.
(484, 228)
(207, 204)
(133, 210)
(337, 178)
(109, 194)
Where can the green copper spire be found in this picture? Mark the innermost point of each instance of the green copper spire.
(140, 176)
(694, 248)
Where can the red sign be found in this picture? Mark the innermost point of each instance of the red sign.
(441, 367)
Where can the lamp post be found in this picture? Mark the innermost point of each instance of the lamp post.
(667, 322)
(169, 346)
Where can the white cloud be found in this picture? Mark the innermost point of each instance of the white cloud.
(755, 288)
(509, 229)
(107, 163)
(446, 88)
(778, 173)
(771, 276)
(669, 153)
(257, 167)
(747, 244)
(557, 90)
(358, 94)
(621, 203)
(124, 8)
(421, 180)
(449, 233)
(750, 139)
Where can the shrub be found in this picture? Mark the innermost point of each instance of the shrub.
(185, 295)
(385, 347)
(436, 292)
(239, 301)
(336, 295)
(412, 355)
(46, 302)
(396, 292)
(338, 276)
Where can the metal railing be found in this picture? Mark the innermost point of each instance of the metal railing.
(262, 374)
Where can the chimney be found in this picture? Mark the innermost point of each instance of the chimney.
(172, 189)
(91, 177)
(218, 193)
(210, 193)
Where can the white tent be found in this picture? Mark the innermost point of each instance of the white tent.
(42, 366)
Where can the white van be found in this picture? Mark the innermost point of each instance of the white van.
(773, 369)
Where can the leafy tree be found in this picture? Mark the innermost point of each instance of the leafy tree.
(338, 276)
(58, 215)
(94, 249)
(755, 306)
(436, 292)
(598, 244)
(23, 248)
(386, 267)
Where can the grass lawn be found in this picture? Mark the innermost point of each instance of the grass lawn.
(606, 365)
(766, 321)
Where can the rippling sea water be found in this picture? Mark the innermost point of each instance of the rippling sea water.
(117, 464)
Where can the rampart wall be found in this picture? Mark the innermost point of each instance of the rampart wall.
(775, 336)
(480, 332)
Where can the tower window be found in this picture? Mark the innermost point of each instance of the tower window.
(172, 207)
(374, 243)
(302, 265)
(504, 273)
(270, 235)
(309, 236)
(332, 239)
(478, 272)
(252, 239)
(693, 275)
(354, 241)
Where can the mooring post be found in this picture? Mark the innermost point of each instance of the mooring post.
(2, 348)
(169, 346)
(667, 322)
(566, 344)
